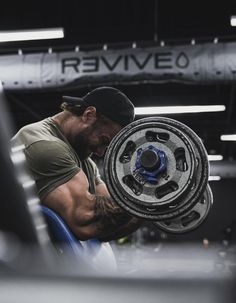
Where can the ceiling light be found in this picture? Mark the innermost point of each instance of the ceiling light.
(228, 137)
(233, 20)
(214, 178)
(36, 34)
(178, 109)
(215, 157)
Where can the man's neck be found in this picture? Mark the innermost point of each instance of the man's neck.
(66, 121)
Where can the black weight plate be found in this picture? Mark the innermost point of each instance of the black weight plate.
(202, 171)
(113, 175)
(147, 206)
(190, 220)
(147, 196)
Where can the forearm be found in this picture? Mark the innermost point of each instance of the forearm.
(88, 215)
(108, 215)
(123, 231)
(112, 222)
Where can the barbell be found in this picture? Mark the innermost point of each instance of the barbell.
(157, 169)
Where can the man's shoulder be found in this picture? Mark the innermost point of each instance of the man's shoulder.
(35, 132)
(50, 157)
(48, 148)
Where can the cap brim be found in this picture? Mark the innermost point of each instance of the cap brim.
(75, 100)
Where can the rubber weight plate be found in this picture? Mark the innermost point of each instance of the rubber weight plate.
(202, 170)
(192, 219)
(177, 187)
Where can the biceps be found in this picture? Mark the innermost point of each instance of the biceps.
(71, 198)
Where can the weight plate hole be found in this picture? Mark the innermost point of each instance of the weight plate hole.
(166, 189)
(156, 136)
(136, 188)
(181, 162)
(128, 152)
(192, 216)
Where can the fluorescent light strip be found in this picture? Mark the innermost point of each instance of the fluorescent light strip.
(37, 34)
(215, 157)
(228, 137)
(178, 109)
(214, 178)
(233, 20)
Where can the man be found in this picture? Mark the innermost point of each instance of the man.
(58, 153)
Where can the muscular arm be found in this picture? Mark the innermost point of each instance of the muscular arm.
(88, 216)
(122, 230)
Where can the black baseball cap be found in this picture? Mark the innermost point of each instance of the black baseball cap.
(109, 101)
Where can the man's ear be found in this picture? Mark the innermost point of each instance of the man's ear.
(90, 114)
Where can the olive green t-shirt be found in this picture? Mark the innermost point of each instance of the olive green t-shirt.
(51, 159)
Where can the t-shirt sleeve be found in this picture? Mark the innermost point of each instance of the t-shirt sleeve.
(52, 164)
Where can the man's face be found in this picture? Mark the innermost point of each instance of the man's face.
(95, 138)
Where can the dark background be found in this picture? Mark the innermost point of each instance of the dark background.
(90, 24)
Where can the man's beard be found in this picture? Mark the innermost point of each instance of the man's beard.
(81, 144)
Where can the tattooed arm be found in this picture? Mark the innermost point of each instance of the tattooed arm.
(111, 221)
(89, 216)
(127, 223)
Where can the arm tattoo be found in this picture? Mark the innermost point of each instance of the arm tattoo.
(123, 231)
(108, 215)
